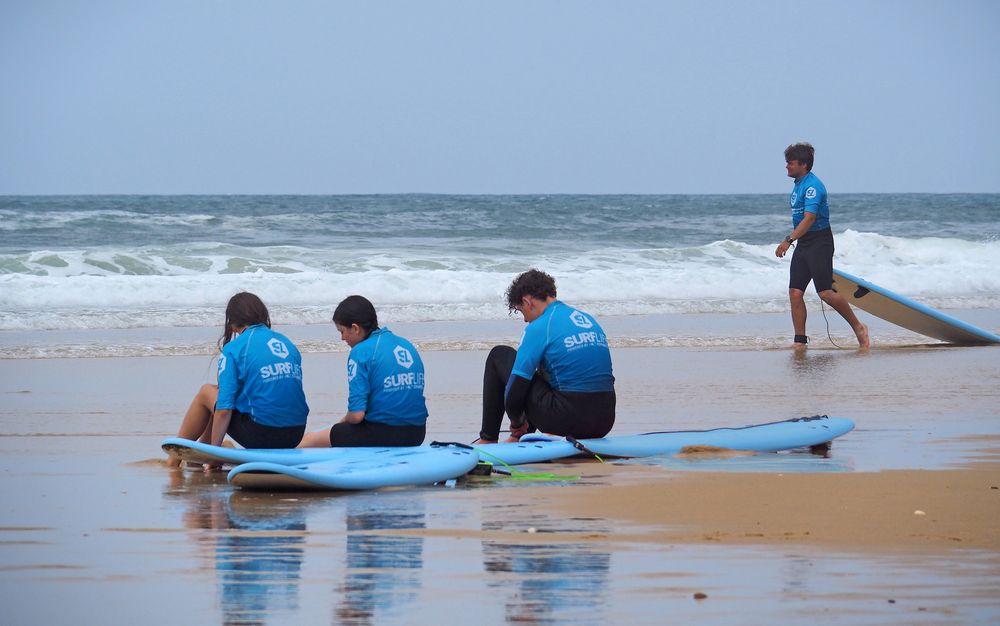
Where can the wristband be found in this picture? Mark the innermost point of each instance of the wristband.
(789, 239)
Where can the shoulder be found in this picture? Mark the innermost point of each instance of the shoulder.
(234, 346)
(812, 180)
(576, 317)
(812, 187)
(403, 341)
(393, 342)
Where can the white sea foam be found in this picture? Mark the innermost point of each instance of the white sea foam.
(118, 287)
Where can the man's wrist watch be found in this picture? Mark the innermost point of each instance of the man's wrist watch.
(789, 239)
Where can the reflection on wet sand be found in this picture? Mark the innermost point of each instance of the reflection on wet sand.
(814, 365)
(547, 582)
(256, 547)
(256, 544)
(383, 571)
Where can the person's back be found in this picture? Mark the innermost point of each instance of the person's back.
(385, 381)
(260, 373)
(571, 348)
(386, 378)
(559, 380)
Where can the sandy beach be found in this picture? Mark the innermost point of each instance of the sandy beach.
(907, 502)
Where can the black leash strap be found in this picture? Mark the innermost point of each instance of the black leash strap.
(582, 448)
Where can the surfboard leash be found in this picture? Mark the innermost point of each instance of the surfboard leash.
(582, 448)
(823, 309)
(519, 475)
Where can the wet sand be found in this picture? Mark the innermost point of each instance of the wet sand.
(89, 509)
(897, 510)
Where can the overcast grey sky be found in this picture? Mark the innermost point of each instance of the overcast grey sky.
(701, 96)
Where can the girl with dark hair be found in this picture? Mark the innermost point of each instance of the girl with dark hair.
(385, 377)
(259, 400)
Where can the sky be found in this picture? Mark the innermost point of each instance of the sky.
(536, 96)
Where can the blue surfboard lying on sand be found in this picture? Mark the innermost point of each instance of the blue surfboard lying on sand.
(907, 313)
(372, 468)
(801, 432)
(384, 467)
(509, 453)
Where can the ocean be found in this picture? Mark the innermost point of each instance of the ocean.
(81, 263)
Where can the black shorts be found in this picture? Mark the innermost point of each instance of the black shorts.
(250, 434)
(375, 434)
(813, 260)
(584, 415)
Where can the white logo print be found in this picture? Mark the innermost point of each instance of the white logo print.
(580, 319)
(403, 357)
(222, 363)
(811, 193)
(352, 370)
(278, 348)
(795, 196)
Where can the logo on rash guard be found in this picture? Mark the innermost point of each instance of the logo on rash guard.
(589, 338)
(352, 370)
(810, 193)
(580, 319)
(793, 198)
(278, 348)
(403, 357)
(222, 363)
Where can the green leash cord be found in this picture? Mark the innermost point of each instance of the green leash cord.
(519, 475)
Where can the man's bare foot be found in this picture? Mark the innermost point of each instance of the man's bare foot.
(482, 441)
(864, 341)
(512, 439)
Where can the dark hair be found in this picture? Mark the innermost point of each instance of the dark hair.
(244, 309)
(533, 283)
(801, 152)
(356, 310)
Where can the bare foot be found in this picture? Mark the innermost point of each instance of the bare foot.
(864, 341)
(482, 441)
(512, 439)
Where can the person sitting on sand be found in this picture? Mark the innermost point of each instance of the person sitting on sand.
(259, 400)
(559, 380)
(385, 377)
(813, 257)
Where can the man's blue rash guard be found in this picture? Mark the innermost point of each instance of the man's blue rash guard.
(385, 378)
(809, 196)
(571, 348)
(260, 374)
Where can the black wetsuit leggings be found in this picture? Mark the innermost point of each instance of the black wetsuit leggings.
(567, 413)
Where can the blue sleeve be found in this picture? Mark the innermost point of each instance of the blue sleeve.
(229, 381)
(358, 383)
(529, 353)
(813, 195)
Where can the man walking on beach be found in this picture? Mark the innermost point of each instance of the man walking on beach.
(813, 256)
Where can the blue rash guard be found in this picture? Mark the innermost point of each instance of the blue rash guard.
(260, 374)
(809, 196)
(571, 348)
(385, 378)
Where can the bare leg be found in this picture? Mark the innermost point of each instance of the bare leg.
(797, 300)
(197, 422)
(316, 439)
(842, 306)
